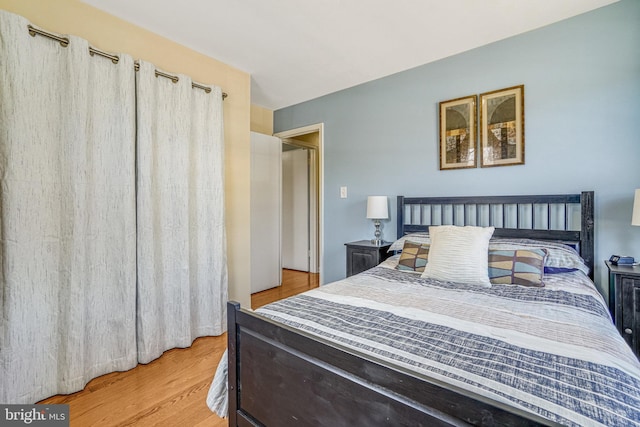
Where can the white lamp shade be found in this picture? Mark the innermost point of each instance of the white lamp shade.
(377, 207)
(635, 218)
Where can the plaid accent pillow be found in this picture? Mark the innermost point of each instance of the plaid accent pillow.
(517, 267)
(414, 257)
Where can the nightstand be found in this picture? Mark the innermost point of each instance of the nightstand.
(624, 302)
(363, 255)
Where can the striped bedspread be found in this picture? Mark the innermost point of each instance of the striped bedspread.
(551, 350)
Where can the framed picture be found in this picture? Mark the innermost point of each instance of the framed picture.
(502, 127)
(458, 124)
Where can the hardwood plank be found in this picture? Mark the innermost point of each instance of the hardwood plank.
(293, 283)
(178, 381)
(171, 390)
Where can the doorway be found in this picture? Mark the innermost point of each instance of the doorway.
(305, 144)
(296, 195)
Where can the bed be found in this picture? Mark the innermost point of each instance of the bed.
(391, 347)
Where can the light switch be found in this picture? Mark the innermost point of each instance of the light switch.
(343, 192)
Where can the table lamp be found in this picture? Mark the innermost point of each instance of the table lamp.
(377, 210)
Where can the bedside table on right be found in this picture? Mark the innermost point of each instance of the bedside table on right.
(624, 302)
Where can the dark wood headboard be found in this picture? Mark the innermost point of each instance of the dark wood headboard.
(561, 217)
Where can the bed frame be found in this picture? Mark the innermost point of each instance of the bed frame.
(567, 218)
(279, 376)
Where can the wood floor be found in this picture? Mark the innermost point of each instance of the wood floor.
(171, 390)
(293, 283)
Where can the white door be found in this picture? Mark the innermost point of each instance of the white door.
(266, 188)
(295, 209)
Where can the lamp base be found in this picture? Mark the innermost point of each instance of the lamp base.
(377, 240)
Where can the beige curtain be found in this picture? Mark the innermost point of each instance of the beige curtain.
(182, 275)
(93, 279)
(68, 245)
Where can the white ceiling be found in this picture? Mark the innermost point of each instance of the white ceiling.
(296, 50)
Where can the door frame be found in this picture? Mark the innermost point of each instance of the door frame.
(316, 239)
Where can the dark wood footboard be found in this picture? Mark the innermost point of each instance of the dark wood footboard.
(282, 377)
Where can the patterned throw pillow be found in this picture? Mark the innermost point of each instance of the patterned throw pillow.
(517, 267)
(414, 257)
(420, 237)
(561, 256)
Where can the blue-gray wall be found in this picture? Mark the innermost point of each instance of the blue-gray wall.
(582, 129)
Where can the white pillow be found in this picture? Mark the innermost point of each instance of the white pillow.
(459, 254)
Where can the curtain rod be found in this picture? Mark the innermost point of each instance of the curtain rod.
(64, 42)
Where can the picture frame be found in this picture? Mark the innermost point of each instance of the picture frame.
(502, 127)
(458, 120)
